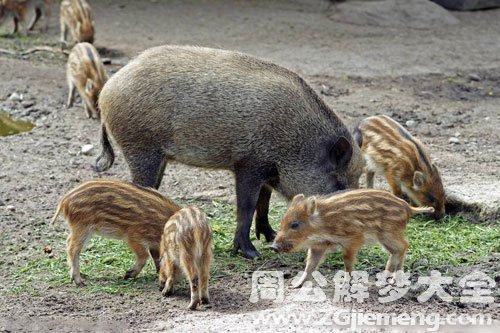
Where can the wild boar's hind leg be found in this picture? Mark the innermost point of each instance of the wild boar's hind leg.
(262, 225)
(146, 167)
(75, 244)
(248, 185)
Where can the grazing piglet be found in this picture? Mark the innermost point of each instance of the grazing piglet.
(77, 16)
(115, 209)
(26, 12)
(220, 109)
(86, 73)
(390, 150)
(346, 220)
(186, 247)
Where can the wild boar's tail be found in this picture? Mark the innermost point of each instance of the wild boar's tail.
(105, 160)
(419, 210)
(58, 211)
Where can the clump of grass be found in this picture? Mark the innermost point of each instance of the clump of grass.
(453, 242)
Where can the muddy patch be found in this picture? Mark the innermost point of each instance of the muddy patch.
(10, 126)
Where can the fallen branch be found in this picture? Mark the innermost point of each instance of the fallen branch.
(46, 49)
(8, 52)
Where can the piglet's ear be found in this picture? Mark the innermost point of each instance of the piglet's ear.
(418, 179)
(298, 198)
(311, 205)
(341, 152)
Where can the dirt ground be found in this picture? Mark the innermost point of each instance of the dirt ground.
(443, 80)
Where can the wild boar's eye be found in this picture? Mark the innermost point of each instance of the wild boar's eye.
(295, 225)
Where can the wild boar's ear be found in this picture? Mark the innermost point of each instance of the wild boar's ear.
(341, 152)
(298, 198)
(311, 206)
(418, 179)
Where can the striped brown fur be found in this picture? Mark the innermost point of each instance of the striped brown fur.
(77, 16)
(346, 220)
(186, 247)
(390, 150)
(86, 74)
(115, 209)
(26, 12)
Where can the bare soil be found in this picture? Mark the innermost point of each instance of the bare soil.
(444, 79)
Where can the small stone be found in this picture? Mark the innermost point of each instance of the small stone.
(474, 77)
(27, 104)
(16, 97)
(87, 149)
(411, 123)
(2, 203)
(457, 134)
(11, 208)
(454, 141)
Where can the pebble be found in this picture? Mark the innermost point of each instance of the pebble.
(2, 203)
(27, 104)
(411, 123)
(87, 149)
(11, 208)
(474, 77)
(454, 141)
(16, 97)
(457, 134)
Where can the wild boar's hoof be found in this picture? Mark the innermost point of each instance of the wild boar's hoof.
(80, 285)
(267, 231)
(205, 300)
(247, 249)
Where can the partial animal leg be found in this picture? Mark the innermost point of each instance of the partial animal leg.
(262, 215)
(191, 271)
(248, 185)
(204, 276)
(314, 257)
(141, 254)
(145, 166)
(75, 244)
(397, 247)
(71, 94)
(155, 255)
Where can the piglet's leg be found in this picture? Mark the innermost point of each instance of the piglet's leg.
(351, 250)
(172, 272)
(193, 276)
(397, 248)
(74, 248)
(314, 257)
(155, 255)
(141, 254)
(369, 179)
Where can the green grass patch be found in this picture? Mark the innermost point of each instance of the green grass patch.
(452, 242)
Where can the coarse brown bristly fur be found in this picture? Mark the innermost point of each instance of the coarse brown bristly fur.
(76, 15)
(221, 109)
(346, 220)
(86, 74)
(115, 209)
(390, 150)
(186, 247)
(26, 12)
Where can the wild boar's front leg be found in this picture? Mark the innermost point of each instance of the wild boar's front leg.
(248, 185)
(262, 225)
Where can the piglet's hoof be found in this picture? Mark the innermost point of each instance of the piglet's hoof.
(129, 275)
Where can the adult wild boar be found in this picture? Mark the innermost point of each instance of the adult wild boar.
(226, 110)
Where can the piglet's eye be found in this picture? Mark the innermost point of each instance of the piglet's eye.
(430, 198)
(295, 225)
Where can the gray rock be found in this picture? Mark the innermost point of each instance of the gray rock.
(411, 123)
(454, 140)
(16, 97)
(87, 149)
(11, 208)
